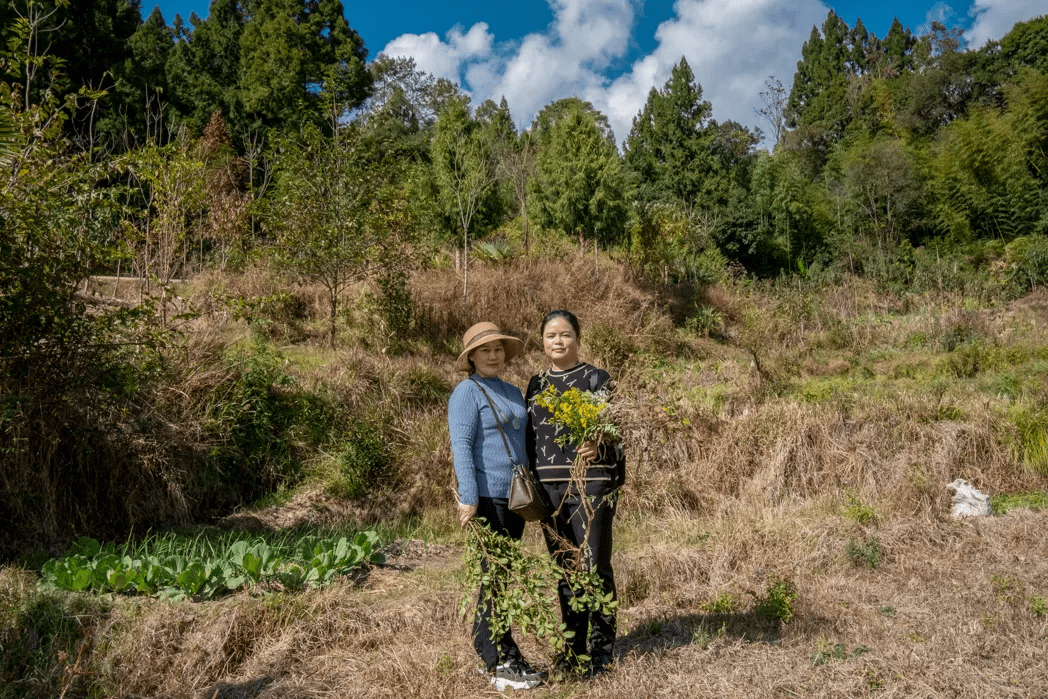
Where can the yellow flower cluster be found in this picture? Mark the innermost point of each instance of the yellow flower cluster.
(582, 416)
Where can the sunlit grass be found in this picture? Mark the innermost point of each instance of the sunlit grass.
(1003, 503)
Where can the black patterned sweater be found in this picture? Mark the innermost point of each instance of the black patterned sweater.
(552, 463)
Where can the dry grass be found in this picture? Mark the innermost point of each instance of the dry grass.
(516, 296)
(946, 614)
(738, 474)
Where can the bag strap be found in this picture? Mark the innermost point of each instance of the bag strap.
(498, 424)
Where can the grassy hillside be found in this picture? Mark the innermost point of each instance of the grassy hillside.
(796, 430)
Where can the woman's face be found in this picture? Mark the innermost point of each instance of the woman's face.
(488, 359)
(560, 343)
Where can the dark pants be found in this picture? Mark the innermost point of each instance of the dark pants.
(501, 520)
(570, 525)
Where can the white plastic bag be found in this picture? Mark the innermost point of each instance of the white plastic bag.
(968, 501)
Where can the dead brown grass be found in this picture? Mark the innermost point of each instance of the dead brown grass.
(946, 614)
(734, 479)
(517, 295)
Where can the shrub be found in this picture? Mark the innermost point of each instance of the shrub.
(1032, 447)
(776, 604)
(706, 320)
(1029, 261)
(494, 250)
(866, 552)
(362, 460)
(45, 636)
(967, 361)
(421, 385)
(264, 422)
(275, 316)
(855, 510)
(609, 345)
(395, 304)
(723, 603)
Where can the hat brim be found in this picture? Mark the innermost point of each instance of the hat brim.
(514, 347)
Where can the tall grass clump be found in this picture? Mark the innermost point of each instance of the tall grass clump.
(516, 295)
(1032, 445)
(48, 639)
(262, 423)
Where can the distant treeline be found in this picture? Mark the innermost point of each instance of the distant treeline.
(881, 145)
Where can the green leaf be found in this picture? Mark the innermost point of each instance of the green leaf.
(81, 580)
(118, 580)
(235, 582)
(86, 546)
(192, 579)
(252, 564)
(237, 552)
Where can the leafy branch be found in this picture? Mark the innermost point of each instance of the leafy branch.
(522, 586)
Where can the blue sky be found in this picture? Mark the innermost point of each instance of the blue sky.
(612, 52)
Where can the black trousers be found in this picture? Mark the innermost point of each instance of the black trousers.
(501, 520)
(594, 632)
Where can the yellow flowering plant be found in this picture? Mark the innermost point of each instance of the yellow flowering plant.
(583, 416)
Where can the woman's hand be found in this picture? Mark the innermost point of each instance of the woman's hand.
(466, 513)
(588, 451)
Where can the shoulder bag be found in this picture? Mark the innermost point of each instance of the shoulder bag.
(527, 497)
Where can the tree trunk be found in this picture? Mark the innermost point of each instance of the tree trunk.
(465, 275)
(527, 251)
(334, 313)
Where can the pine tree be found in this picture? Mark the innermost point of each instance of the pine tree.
(554, 112)
(141, 83)
(898, 47)
(580, 187)
(298, 60)
(203, 71)
(669, 147)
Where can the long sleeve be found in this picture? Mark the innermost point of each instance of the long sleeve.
(463, 423)
(534, 388)
(552, 461)
(482, 466)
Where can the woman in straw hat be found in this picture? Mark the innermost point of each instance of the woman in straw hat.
(487, 419)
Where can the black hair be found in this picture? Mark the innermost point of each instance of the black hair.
(566, 315)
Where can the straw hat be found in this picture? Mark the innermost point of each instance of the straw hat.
(483, 333)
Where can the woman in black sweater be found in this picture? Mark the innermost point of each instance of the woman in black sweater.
(583, 525)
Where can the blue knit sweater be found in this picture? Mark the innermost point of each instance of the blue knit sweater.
(482, 466)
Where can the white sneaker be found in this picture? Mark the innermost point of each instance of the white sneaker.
(515, 674)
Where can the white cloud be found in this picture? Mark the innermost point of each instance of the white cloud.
(443, 58)
(732, 46)
(940, 12)
(995, 18)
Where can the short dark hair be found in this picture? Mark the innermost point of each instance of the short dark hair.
(561, 313)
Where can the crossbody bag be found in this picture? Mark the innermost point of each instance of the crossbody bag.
(527, 497)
